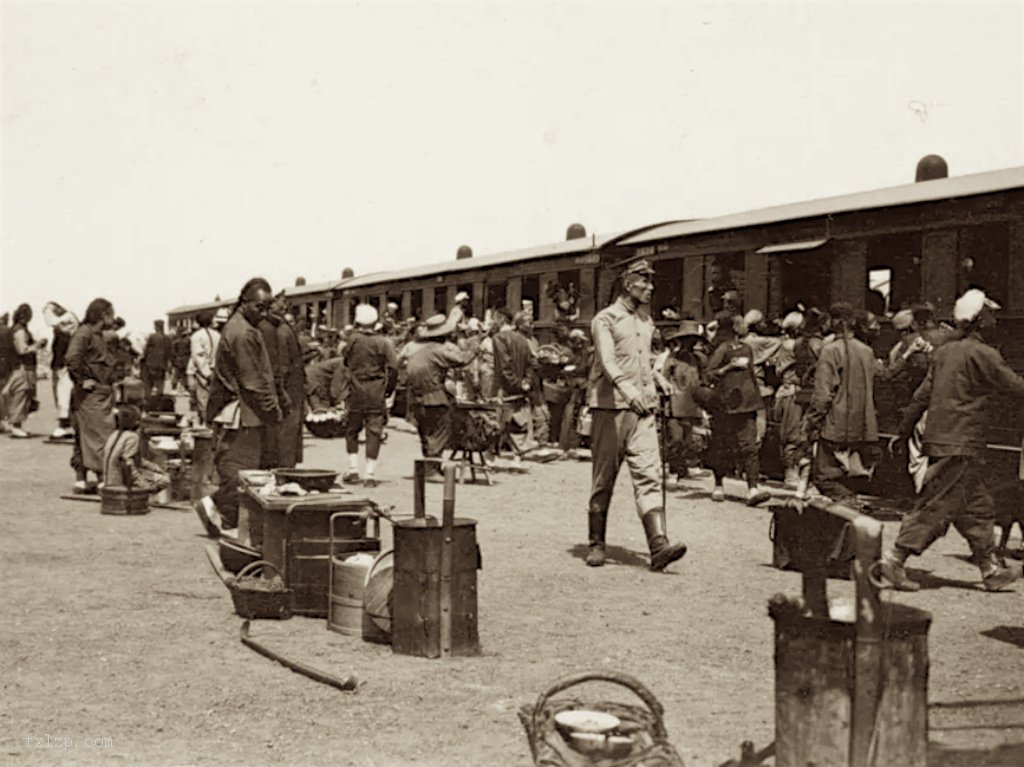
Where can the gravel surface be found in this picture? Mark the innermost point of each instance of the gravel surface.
(117, 628)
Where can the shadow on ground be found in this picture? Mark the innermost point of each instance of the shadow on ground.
(1010, 634)
(1006, 755)
(614, 555)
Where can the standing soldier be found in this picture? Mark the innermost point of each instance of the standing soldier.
(965, 373)
(243, 402)
(372, 363)
(623, 401)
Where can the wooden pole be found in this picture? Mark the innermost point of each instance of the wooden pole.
(447, 545)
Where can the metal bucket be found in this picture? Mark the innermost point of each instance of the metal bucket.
(377, 599)
(348, 580)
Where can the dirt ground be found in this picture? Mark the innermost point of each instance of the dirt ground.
(117, 628)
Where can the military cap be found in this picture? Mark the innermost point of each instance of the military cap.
(640, 266)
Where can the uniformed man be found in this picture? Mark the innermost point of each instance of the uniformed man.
(623, 402)
(372, 364)
(965, 373)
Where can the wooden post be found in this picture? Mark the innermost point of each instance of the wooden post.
(447, 533)
(587, 293)
(939, 269)
(514, 294)
(406, 304)
(479, 295)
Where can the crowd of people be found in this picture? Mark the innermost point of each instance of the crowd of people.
(670, 405)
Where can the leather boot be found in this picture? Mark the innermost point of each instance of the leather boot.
(663, 553)
(598, 521)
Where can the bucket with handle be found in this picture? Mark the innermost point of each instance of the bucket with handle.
(377, 599)
(351, 559)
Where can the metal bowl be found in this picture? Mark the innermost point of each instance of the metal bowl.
(307, 479)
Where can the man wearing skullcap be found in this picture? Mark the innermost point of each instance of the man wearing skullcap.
(964, 375)
(243, 403)
(372, 364)
(623, 402)
(788, 410)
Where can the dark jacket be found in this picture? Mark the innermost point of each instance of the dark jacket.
(90, 357)
(513, 362)
(426, 369)
(964, 375)
(371, 360)
(242, 372)
(157, 352)
(843, 404)
(736, 388)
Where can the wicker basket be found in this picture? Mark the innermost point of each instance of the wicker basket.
(644, 725)
(251, 602)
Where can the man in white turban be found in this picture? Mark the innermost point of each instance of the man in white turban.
(965, 373)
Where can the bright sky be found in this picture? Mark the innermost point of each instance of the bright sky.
(159, 153)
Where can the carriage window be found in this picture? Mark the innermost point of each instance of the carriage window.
(900, 256)
(495, 298)
(880, 288)
(416, 304)
(985, 259)
(668, 289)
(531, 293)
(564, 295)
(441, 300)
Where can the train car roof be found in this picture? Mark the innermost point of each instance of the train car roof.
(291, 291)
(906, 194)
(580, 245)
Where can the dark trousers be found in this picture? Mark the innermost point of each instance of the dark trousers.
(289, 437)
(270, 457)
(680, 454)
(829, 475)
(955, 493)
(434, 423)
(373, 422)
(734, 442)
(237, 449)
(153, 379)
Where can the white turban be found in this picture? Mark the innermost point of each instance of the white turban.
(792, 321)
(366, 315)
(970, 304)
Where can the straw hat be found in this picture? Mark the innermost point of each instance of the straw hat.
(686, 328)
(436, 327)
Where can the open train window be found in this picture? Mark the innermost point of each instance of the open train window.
(879, 287)
(668, 289)
(985, 259)
(531, 293)
(416, 304)
(441, 300)
(900, 256)
(495, 297)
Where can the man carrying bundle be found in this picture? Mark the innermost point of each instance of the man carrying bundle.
(623, 402)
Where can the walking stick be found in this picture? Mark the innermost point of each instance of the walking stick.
(662, 425)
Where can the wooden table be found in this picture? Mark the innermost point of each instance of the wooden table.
(293, 533)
